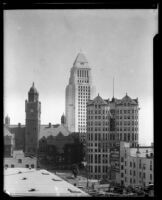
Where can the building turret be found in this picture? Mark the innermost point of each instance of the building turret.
(33, 94)
(7, 120)
(63, 119)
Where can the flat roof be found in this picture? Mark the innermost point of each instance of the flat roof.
(143, 151)
(32, 182)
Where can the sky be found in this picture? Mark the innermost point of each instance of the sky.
(41, 46)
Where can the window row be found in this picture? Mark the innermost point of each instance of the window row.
(127, 117)
(97, 123)
(97, 129)
(126, 123)
(97, 111)
(83, 81)
(97, 117)
(127, 111)
(97, 169)
(127, 129)
(82, 73)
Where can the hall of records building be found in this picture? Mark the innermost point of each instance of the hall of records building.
(108, 123)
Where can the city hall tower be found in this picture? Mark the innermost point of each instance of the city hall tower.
(78, 92)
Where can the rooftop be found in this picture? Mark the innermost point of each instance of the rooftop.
(32, 182)
(142, 151)
(33, 89)
(7, 131)
(80, 58)
(97, 100)
(46, 130)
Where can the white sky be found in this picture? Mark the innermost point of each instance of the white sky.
(41, 46)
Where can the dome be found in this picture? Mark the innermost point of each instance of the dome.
(33, 89)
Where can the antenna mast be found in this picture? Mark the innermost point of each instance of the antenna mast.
(113, 87)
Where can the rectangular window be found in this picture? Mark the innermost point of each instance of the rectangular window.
(150, 176)
(95, 158)
(19, 160)
(32, 165)
(144, 175)
(99, 169)
(151, 167)
(99, 158)
(122, 159)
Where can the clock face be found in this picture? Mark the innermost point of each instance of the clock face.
(31, 110)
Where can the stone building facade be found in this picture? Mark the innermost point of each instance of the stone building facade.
(19, 160)
(78, 92)
(9, 142)
(108, 123)
(98, 127)
(125, 116)
(136, 165)
(33, 112)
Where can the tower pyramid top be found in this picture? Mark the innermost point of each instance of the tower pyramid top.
(80, 58)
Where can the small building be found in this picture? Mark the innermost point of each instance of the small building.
(9, 142)
(19, 133)
(20, 160)
(31, 182)
(136, 165)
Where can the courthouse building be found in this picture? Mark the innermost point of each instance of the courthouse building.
(78, 92)
(26, 136)
(52, 141)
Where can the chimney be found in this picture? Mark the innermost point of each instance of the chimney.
(49, 124)
(19, 125)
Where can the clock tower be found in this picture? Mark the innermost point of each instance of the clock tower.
(33, 111)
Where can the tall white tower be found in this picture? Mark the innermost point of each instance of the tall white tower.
(78, 92)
